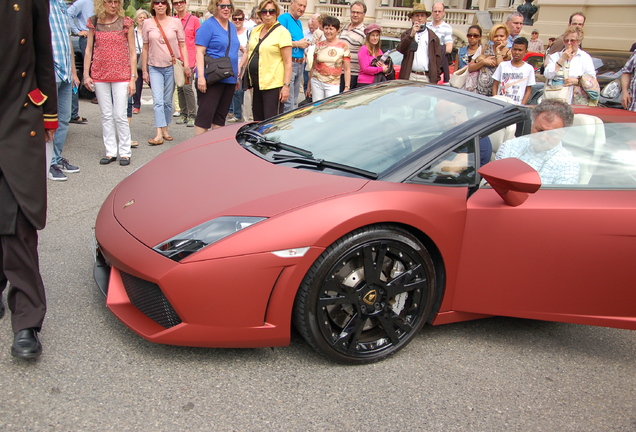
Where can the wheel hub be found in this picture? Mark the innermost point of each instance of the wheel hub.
(371, 300)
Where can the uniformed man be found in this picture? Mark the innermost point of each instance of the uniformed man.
(29, 118)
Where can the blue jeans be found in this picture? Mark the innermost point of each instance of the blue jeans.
(237, 104)
(64, 96)
(162, 86)
(294, 88)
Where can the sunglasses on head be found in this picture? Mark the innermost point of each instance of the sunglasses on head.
(225, 6)
(268, 11)
(178, 2)
(161, 2)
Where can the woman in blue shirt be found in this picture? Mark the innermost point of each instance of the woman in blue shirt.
(212, 39)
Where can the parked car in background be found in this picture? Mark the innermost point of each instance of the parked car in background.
(608, 65)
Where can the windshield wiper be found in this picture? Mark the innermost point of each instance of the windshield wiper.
(255, 137)
(325, 164)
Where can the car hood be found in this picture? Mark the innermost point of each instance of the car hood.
(211, 176)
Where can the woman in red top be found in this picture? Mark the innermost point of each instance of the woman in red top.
(110, 69)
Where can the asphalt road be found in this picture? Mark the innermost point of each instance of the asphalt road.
(496, 374)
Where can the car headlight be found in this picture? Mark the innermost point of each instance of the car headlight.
(611, 90)
(195, 239)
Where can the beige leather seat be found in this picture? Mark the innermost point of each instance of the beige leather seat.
(585, 140)
(501, 136)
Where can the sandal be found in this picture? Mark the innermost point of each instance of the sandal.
(153, 142)
(168, 138)
(134, 144)
(78, 120)
(123, 161)
(106, 160)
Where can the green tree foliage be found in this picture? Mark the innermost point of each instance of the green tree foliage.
(131, 6)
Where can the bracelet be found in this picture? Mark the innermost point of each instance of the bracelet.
(347, 87)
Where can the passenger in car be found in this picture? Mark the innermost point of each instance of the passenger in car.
(450, 115)
(543, 150)
(458, 166)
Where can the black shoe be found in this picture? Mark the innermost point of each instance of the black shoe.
(26, 344)
(124, 161)
(106, 160)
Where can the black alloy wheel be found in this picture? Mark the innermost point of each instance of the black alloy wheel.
(367, 295)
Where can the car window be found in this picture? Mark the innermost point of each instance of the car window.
(456, 167)
(377, 127)
(587, 155)
(535, 61)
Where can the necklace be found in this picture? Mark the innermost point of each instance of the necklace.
(110, 23)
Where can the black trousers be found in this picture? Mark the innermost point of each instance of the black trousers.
(20, 267)
(266, 103)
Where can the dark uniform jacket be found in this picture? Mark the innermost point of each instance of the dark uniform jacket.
(434, 55)
(28, 105)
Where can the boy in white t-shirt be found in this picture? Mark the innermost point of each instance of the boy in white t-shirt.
(515, 78)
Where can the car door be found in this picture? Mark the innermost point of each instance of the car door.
(566, 254)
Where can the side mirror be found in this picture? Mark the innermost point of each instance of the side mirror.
(512, 179)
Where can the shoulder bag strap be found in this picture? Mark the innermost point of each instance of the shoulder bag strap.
(174, 60)
(259, 42)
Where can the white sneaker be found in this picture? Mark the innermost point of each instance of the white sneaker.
(176, 114)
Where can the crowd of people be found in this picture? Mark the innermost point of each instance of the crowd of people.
(273, 56)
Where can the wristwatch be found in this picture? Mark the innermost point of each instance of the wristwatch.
(287, 84)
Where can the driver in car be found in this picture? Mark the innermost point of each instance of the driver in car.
(543, 149)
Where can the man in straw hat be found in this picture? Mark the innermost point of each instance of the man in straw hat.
(421, 49)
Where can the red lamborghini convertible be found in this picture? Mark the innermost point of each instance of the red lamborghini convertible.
(361, 217)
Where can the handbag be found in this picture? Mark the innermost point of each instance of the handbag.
(179, 74)
(387, 60)
(459, 77)
(217, 69)
(554, 88)
(177, 64)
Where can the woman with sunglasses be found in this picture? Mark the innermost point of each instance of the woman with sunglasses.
(212, 39)
(473, 49)
(486, 63)
(110, 69)
(158, 64)
(269, 62)
(573, 68)
(236, 109)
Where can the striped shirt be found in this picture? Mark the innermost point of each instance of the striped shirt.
(60, 39)
(355, 38)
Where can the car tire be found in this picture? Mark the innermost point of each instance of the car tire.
(355, 319)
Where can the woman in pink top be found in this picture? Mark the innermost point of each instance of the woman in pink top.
(369, 51)
(157, 63)
(110, 69)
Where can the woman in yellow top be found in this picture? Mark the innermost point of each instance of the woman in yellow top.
(269, 67)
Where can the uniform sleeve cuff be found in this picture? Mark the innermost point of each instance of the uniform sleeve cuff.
(50, 121)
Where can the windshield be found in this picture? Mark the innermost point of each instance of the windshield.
(372, 128)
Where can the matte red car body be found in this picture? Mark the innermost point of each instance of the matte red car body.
(248, 302)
